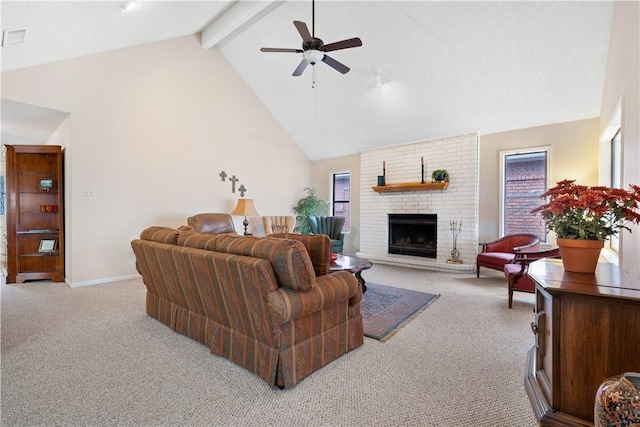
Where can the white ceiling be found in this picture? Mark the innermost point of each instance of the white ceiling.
(449, 68)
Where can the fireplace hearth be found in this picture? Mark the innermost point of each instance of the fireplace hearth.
(413, 234)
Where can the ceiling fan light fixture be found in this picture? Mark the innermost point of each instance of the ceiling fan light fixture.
(313, 56)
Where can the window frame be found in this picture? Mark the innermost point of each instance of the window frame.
(504, 154)
(347, 225)
(612, 129)
(615, 177)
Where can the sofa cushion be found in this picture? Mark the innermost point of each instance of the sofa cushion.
(289, 259)
(498, 259)
(318, 246)
(160, 234)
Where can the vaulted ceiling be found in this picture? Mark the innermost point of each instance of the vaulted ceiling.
(447, 68)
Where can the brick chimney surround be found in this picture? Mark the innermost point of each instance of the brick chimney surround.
(459, 201)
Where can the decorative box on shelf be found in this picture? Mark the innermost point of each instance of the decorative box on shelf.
(411, 186)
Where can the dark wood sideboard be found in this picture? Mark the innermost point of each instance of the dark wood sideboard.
(587, 329)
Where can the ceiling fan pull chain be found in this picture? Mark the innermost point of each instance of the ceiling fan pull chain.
(313, 77)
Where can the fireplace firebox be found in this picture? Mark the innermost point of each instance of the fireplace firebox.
(413, 234)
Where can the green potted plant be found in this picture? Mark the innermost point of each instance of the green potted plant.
(440, 175)
(309, 205)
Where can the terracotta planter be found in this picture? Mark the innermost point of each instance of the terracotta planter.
(580, 256)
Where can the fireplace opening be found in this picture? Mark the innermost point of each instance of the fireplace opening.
(413, 234)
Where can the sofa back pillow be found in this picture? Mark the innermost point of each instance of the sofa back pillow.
(160, 234)
(289, 259)
(318, 246)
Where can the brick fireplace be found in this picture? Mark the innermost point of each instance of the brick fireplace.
(459, 156)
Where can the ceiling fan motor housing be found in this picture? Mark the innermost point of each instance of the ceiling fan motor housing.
(312, 44)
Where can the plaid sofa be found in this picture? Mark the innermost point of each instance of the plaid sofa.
(266, 304)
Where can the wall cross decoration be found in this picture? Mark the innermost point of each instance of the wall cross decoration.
(234, 180)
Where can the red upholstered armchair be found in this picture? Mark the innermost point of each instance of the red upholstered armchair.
(496, 254)
(516, 270)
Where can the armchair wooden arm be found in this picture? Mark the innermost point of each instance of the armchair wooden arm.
(516, 270)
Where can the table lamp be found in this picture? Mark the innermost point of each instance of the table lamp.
(245, 208)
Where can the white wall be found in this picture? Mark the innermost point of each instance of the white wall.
(321, 179)
(622, 85)
(573, 154)
(150, 129)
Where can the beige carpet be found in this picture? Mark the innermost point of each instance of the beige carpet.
(91, 357)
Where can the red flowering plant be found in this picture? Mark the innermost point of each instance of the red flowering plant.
(590, 213)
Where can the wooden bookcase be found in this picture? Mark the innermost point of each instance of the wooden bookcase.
(35, 213)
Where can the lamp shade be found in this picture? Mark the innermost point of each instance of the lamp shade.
(245, 208)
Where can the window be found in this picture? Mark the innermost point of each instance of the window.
(615, 160)
(616, 181)
(342, 197)
(524, 179)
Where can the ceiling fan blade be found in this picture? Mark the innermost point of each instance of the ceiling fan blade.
(335, 64)
(303, 30)
(344, 44)
(277, 49)
(298, 71)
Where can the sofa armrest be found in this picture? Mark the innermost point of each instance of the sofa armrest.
(318, 246)
(286, 304)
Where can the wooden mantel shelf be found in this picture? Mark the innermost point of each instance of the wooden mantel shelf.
(411, 186)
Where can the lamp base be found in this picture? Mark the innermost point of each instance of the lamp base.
(246, 224)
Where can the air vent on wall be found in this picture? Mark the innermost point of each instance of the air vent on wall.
(11, 37)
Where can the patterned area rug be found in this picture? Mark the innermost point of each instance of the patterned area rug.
(385, 309)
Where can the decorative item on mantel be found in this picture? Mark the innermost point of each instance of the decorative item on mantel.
(455, 226)
(586, 216)
(440, 175)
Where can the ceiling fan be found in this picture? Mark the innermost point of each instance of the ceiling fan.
(314, 49)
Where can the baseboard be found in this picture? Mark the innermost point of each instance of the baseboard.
(417, 262)
(102, 281)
